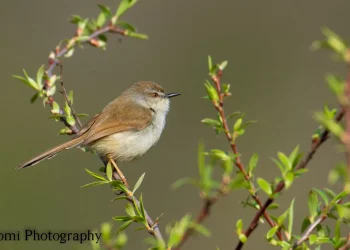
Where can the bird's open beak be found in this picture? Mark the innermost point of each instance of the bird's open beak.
(172, 95)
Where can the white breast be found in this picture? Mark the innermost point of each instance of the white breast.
(125, 146)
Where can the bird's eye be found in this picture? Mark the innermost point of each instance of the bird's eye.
(155, 94)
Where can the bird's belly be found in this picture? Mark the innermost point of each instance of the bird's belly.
(127, 145)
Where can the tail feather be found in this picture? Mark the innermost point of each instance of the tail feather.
(52, 152)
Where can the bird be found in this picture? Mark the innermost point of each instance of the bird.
(125, 129)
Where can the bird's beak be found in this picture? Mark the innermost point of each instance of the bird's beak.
(172, 95)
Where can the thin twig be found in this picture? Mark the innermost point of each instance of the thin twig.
(346, 106)
(209, 202)
(69, 102)
(347, 244)
(59, 52)
(306, 234)
(55, 59)
(153, 227)
(309, 230)
(254, 223)
(220, 108)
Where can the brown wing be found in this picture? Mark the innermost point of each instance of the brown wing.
(87, 126)
(118, 116)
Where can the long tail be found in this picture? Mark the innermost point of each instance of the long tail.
(52, 152)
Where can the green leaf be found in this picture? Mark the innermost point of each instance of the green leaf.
(237, 182)
(312, 239)
(201, 159)
(69, 53)
(265, 186)
(129, 209)
(223, 65)
(96, 176)
(106, 231)
(200, 229)
(239, 226)
(183, 181)
(337, 231)
(336, 84)
(285, 161)
(70, 97)
(40, 75)
(210, 63)
(335, 42)
(109, 171)
(126, 26)
(51, 90)
(211, 122)
(242, 238)
(233, 115)
(105, 10)
(225, 87)
(279, 165)
(288, 180)
(219, 154)
(237, 125)
(273, 206)
(124, 226)
(70, 120)
(121, 240)
(124, 6)
(295, 156)
(123, 197)
(31, 84)
(253, 163)
(338, 173)
(55, 108)
(322, 195)
(282, 218)
(290, 218)
(138, 183)
(136, 35)
(339, 196)
(343, 211)
(271, 232)
(34, 97)
(330, 124)
(306, 223)
(122, 218)
(313, 204)
(142, 208)
(82, 115)
(119, 185)
(96, 183)
(101, 19)
(178, 230)
(212, 93)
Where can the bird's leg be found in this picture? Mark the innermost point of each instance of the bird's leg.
(120, 173)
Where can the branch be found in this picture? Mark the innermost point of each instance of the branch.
(153, 226)
(94, 35)
(239, 164)
(309, 230)
(69, 102)
(60, 51)
(209, 202)
(346, 104)
(254, 223)
(347, 244)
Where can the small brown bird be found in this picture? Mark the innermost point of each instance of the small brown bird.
(126, 128)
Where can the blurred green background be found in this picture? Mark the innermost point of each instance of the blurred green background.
(275, 80)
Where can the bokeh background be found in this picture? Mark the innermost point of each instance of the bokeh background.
(275, 80)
